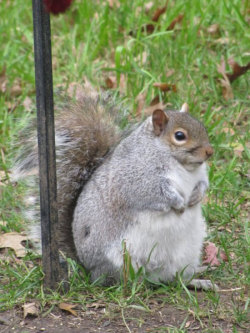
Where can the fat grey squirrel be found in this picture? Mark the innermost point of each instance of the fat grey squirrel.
(143, 187)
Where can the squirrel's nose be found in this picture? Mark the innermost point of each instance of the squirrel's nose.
(209, 151)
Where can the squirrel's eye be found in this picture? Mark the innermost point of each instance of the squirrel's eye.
(180, 136)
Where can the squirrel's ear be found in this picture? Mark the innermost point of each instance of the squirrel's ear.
(159, 119)
(184, 108)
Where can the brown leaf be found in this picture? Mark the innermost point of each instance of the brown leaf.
(30, 309)
(140, 99)
(142, 58)
(3, 80)
(113, 3)
(14, 241)
(155, 100)
(96, 305)
(155, 18)
(222, 228)
(228, 130)
(27, 103)
(212, 255)
(158, 13)
(148, 6)
(16, 90)
(214, 29)
(170, 72)
(222, 40)
(3, 223)
(237, 69)
(11, 105)
(68, 307)
(110, 82)
(149, 28)
(4, 176)
(227, 91)
(178, 19)
(165, 86)
(238, 149)
(188, 323)
(150, 109)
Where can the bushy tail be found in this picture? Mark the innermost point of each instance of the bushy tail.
(85, 132)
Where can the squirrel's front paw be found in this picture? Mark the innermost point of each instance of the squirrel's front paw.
(197, 194)
(178, 204)
(195, 198)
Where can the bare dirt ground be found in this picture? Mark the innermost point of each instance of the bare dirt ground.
(161, 318)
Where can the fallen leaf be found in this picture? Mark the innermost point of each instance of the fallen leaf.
(188, 323)
(148, 6)
(227, 91)
(3, 80)
(110, 82)
(212, 255)
(237, 69)
(214, 29)
(30, 309)
(238, 149)
(165, 86)
(178, 19)
(228, 130)
(150, 109)
(170, 72)
(149, 28)
(16, 90)
(228, 78)
(155, 100)
(89, 313)
(222, 40)
(222, 228)
(27, 103)
(140, 99)
(3, 223)
(96, 305)
(113, 3)
(14, 241)
(68, 307)
(153, 302)
(158, 13)
(11, 105)
(142, 58)
(155, 18)
(122, 84)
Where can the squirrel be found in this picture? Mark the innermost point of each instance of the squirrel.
(143, 187)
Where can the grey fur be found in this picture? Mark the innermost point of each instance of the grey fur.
(131, 180)
(107, 177)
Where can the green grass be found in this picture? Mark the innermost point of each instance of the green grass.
(93, 41)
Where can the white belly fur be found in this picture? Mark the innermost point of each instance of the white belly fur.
(166, 243)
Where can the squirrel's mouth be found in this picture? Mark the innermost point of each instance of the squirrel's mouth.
(193, 165)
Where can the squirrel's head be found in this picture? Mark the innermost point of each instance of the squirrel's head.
(185, 135)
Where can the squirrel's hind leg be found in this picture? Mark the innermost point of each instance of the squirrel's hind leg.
(202, 285)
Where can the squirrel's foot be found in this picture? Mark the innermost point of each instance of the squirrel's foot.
(202, 285)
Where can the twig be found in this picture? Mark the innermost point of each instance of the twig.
(123, 318)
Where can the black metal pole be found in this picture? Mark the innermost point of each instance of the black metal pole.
(46, 142)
